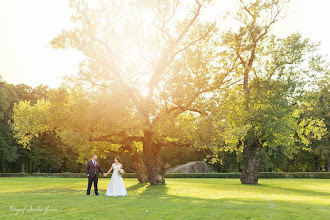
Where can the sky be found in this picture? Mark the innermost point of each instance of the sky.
(27, 27)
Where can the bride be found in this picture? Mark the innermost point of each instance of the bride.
(116, 186)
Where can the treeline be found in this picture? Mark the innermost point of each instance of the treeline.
(47, 153)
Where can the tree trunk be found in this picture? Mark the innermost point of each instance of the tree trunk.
(316, 167)
(154, 164)
(23, 168)
(250, 174)
(328, 166)
(8, 168)
(29, 165)
(139, 167)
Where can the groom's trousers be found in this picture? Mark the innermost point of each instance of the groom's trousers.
(94, 179)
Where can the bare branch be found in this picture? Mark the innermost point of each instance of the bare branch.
(246, 9)
(162, 29)
(134, 93)
(111, 139)
(241, 59)
(166, 56)
(174, 143)
(192, 21)
(191, 43)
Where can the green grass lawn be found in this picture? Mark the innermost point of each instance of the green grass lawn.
(178, 199)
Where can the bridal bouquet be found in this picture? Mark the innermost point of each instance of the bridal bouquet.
(121, 172)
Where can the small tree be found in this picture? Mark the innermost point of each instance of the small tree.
(315, 105)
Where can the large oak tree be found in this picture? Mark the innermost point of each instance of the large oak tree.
(147, 68)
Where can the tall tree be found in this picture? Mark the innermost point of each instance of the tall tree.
(264, 109)
(145, 74)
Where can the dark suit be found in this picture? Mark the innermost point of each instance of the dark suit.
(92, 171)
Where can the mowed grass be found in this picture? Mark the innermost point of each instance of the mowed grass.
(178, 199)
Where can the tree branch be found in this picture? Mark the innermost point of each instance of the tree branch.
(246, 9)
(191, 43)
(132, 91)
(166, 58)
(125, 140)
(192, 21)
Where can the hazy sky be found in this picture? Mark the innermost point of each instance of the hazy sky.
(27, 26)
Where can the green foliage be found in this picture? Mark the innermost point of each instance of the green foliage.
(267, 106)
(315, 105)
(126, 96)
(46, 152)
(177, 81)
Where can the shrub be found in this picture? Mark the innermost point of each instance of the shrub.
(318, 175)
(14, 175)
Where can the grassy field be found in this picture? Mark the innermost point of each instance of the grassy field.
(178, 199)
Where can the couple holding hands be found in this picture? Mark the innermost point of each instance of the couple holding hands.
(116, 186)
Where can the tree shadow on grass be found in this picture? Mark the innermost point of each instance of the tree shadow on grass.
(149, 189)
(293, 190)
(136, 186)
(153, 190)
(159, 202)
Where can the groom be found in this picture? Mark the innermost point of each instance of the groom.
(92, 172)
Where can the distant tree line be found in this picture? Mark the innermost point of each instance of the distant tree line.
(47, 153)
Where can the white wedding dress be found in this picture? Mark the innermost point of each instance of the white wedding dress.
(116, 186)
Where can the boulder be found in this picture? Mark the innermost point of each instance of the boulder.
(192, 167)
